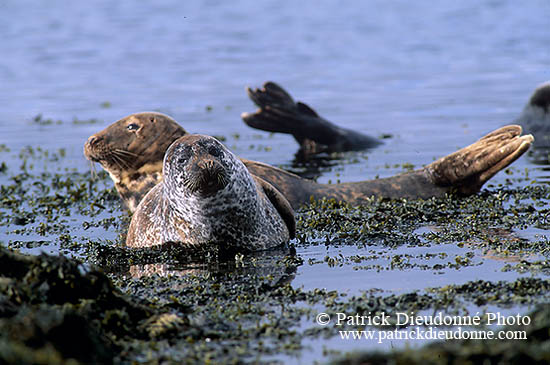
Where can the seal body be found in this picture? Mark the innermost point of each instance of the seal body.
(209, 197)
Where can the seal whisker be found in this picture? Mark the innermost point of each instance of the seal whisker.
(191, 185)
(120, 155)
(137, 166)
(122, 159)
(114, 158)
(222, 179)
(93, 172)
(124, 152)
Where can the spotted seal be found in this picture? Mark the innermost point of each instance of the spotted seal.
(209, 197)
(278, 112)
(464, 171)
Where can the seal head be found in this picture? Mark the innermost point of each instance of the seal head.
(131, 151)
(209, 197)
(535, 118)
(198, 166)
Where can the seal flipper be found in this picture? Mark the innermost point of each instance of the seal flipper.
(271, 95)
(304, 108)
(469, 168)
(279, 113)
(280, 203)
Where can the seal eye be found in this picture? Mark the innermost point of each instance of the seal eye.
(184, 155)
(214, 151)
(132, 127)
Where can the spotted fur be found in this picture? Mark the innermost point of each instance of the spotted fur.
(209, 197)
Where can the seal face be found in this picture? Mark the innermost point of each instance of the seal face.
(131, 151)
(209, 197)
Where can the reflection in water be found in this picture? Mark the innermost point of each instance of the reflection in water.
(311, 166)
(310, 161)
(280, 264)
(505, 238)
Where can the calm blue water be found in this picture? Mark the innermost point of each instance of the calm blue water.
(435, 75)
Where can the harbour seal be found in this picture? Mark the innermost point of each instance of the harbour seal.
(535, 118)
(464, 171)
(208, 197)
(278, 112)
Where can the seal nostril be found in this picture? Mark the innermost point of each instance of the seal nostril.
(209, 164)
(93, 140)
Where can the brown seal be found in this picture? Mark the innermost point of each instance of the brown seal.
(278, 112)
(464, 171)
(131, 151)
(208, 197)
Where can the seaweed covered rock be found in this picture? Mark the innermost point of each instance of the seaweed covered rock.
(56, 310)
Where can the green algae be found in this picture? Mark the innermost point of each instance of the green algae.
(41, 120)
(486, 220)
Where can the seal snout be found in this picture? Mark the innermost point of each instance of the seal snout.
(208, 177)
(92, 141)
(92, 148)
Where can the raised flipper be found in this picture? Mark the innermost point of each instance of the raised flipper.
(280, 203)
(271, 95)
(278, 112)
(469, 168)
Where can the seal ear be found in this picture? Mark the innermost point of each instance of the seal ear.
(280, 203)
